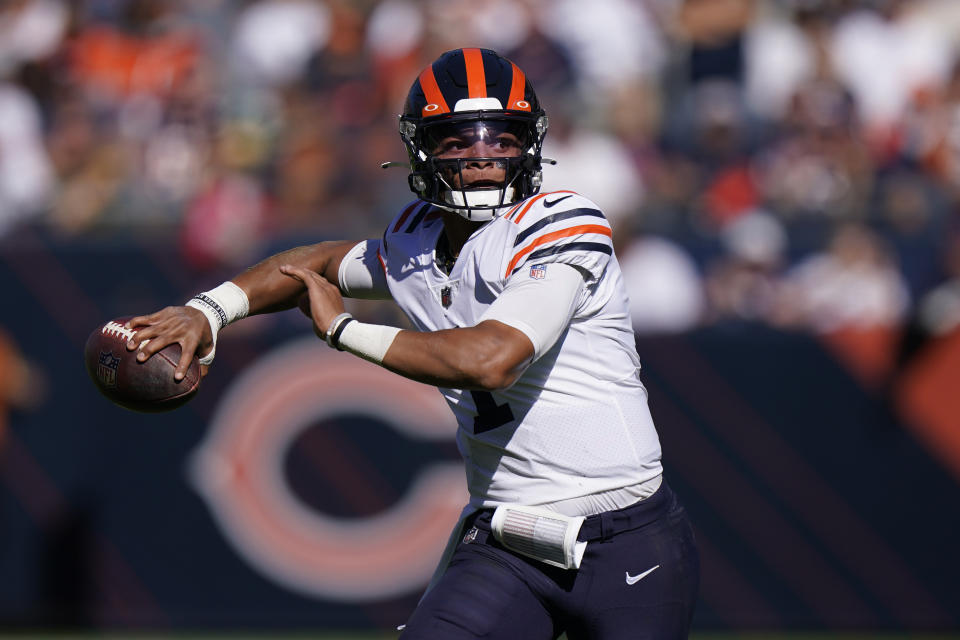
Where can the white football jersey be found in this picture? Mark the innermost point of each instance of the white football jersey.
(576, 422)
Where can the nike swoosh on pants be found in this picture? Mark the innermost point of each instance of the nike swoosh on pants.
(640, 576)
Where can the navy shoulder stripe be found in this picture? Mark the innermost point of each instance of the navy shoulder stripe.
(557, 217)
(573, 246)
(417, 219)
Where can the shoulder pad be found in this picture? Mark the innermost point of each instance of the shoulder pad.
(560, 226)
(410, 217)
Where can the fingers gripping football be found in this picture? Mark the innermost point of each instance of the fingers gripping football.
(325, 301)
(185, 326)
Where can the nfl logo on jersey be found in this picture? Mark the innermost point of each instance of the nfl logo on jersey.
(538, 271)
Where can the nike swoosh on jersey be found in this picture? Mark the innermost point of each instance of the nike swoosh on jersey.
(550, 203)
(640, 576)
(517, 213)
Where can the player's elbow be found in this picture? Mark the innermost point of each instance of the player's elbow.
(488, 357)
(493, 379)
(490, 371)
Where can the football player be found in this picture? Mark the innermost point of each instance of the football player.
(521, 320)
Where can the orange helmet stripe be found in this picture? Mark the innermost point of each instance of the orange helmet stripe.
(431, 91)
(476, 77)
(517, 89)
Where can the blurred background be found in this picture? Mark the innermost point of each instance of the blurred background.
(783, 177)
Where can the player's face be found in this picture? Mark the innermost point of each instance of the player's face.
(476, 146)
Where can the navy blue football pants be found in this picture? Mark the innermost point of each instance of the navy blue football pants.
(638, 579)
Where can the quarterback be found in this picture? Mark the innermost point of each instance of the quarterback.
(521, 320)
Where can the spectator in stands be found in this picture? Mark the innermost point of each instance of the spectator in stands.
(818, 172)
(31, 31)
(273, 40)
(854, 282)
(912, 214)
(26, 177)
(591, 161)
(904, 39)
(743, 283)
(663, 284)
(939, 310)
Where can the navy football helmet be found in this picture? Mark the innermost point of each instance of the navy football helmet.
(473, 94)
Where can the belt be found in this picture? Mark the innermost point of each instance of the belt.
(603, 526)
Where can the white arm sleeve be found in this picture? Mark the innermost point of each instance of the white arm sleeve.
(361, 273)
(540, 308)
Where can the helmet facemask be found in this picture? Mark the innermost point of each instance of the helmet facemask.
(477, 188)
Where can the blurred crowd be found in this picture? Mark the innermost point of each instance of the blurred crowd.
(790, 162)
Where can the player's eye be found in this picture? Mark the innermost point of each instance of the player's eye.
(448, 145)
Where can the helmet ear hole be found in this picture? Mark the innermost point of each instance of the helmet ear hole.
(407, 130)
(543, 123)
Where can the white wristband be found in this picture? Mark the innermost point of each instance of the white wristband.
(369, 341)
(214, 319)
(221, 305)
(232, 299)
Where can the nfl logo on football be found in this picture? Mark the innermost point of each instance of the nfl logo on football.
(538, 271)
(107, 369)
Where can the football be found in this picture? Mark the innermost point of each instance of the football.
(140, 386)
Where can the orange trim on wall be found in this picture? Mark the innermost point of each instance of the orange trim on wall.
(928, 400)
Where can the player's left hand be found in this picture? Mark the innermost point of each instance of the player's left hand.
(326, 303)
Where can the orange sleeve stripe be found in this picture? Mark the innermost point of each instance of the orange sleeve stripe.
(513, 210)
(383, 265)
(476, 76)
(549, 237)
(405, 215)
(532, 200)
(431, 91)
(517, 89)
(526, 208)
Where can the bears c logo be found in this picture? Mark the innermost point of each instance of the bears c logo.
(238, 470)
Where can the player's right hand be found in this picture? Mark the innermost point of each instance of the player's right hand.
(185, 326)
(324, 301)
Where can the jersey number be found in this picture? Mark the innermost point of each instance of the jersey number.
(490, 415)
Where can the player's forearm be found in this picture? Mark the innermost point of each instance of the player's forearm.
(268, 290)
(482, 357)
